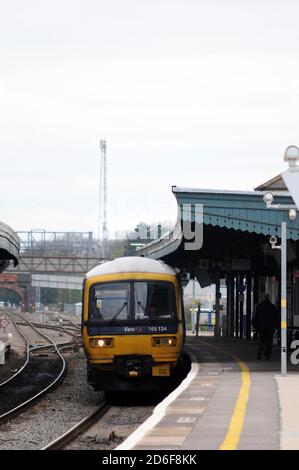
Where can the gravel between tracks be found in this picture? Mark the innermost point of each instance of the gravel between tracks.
(55, 413)
(117, 424)
(12, 364)
(17, 356)
(73, 400)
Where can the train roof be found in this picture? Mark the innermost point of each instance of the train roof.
(131, 264)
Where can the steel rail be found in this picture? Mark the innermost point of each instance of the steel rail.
(21, 369)
(14, 411)
(78, 429)
(67, 330)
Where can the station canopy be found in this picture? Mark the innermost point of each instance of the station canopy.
(236, 227)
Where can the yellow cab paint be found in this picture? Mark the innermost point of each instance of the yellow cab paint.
(132, 344)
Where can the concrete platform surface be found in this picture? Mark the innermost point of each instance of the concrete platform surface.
(229, 401)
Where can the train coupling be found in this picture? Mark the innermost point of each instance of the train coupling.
(133, 366)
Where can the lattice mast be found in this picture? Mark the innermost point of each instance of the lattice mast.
(103, 230)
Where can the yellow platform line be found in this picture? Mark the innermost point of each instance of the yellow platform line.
(232, 438)
(236, 424)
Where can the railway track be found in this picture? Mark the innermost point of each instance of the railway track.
(21, 369)
(66, 322)
(69, 330)
(78, 429)
(80, 435)
(35, 378)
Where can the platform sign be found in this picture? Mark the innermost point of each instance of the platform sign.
(3, 323)
(291, 179)
(220, 307)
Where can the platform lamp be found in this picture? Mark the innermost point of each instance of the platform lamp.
(291, 156)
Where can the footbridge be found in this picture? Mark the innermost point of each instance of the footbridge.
(49, 260)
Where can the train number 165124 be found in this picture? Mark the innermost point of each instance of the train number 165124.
(157, 329)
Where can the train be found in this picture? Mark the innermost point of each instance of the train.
(133, 325)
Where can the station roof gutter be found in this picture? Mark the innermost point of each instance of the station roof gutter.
(236, 210)
(9, 246)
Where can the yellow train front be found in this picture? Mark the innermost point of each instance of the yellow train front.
(133, 325)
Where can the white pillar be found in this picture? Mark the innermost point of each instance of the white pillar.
(2, 352)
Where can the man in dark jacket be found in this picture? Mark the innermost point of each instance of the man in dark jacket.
(265, 321)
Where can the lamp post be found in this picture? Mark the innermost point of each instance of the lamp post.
(291, 156)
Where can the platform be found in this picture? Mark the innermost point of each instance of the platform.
(229, 401)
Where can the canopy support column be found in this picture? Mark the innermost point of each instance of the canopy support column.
(237, 324)
(217, 308)
(230, 304)
(241, 303)
(248, 305)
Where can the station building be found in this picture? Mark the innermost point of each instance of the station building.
(223, 237)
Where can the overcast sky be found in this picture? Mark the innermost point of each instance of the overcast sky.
(198, 93)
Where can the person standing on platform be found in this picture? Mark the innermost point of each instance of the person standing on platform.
(265, 321)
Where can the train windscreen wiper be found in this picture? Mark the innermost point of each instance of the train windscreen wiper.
(125, 304)
(140, 305)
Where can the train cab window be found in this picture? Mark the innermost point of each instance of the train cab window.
(154, 300)
(109, 302)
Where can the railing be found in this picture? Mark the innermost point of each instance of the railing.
(42, 242)
(76, 265)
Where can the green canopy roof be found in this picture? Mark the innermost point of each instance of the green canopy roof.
(238, 210)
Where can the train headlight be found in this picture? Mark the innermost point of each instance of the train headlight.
(101, 343)
(164, 341)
